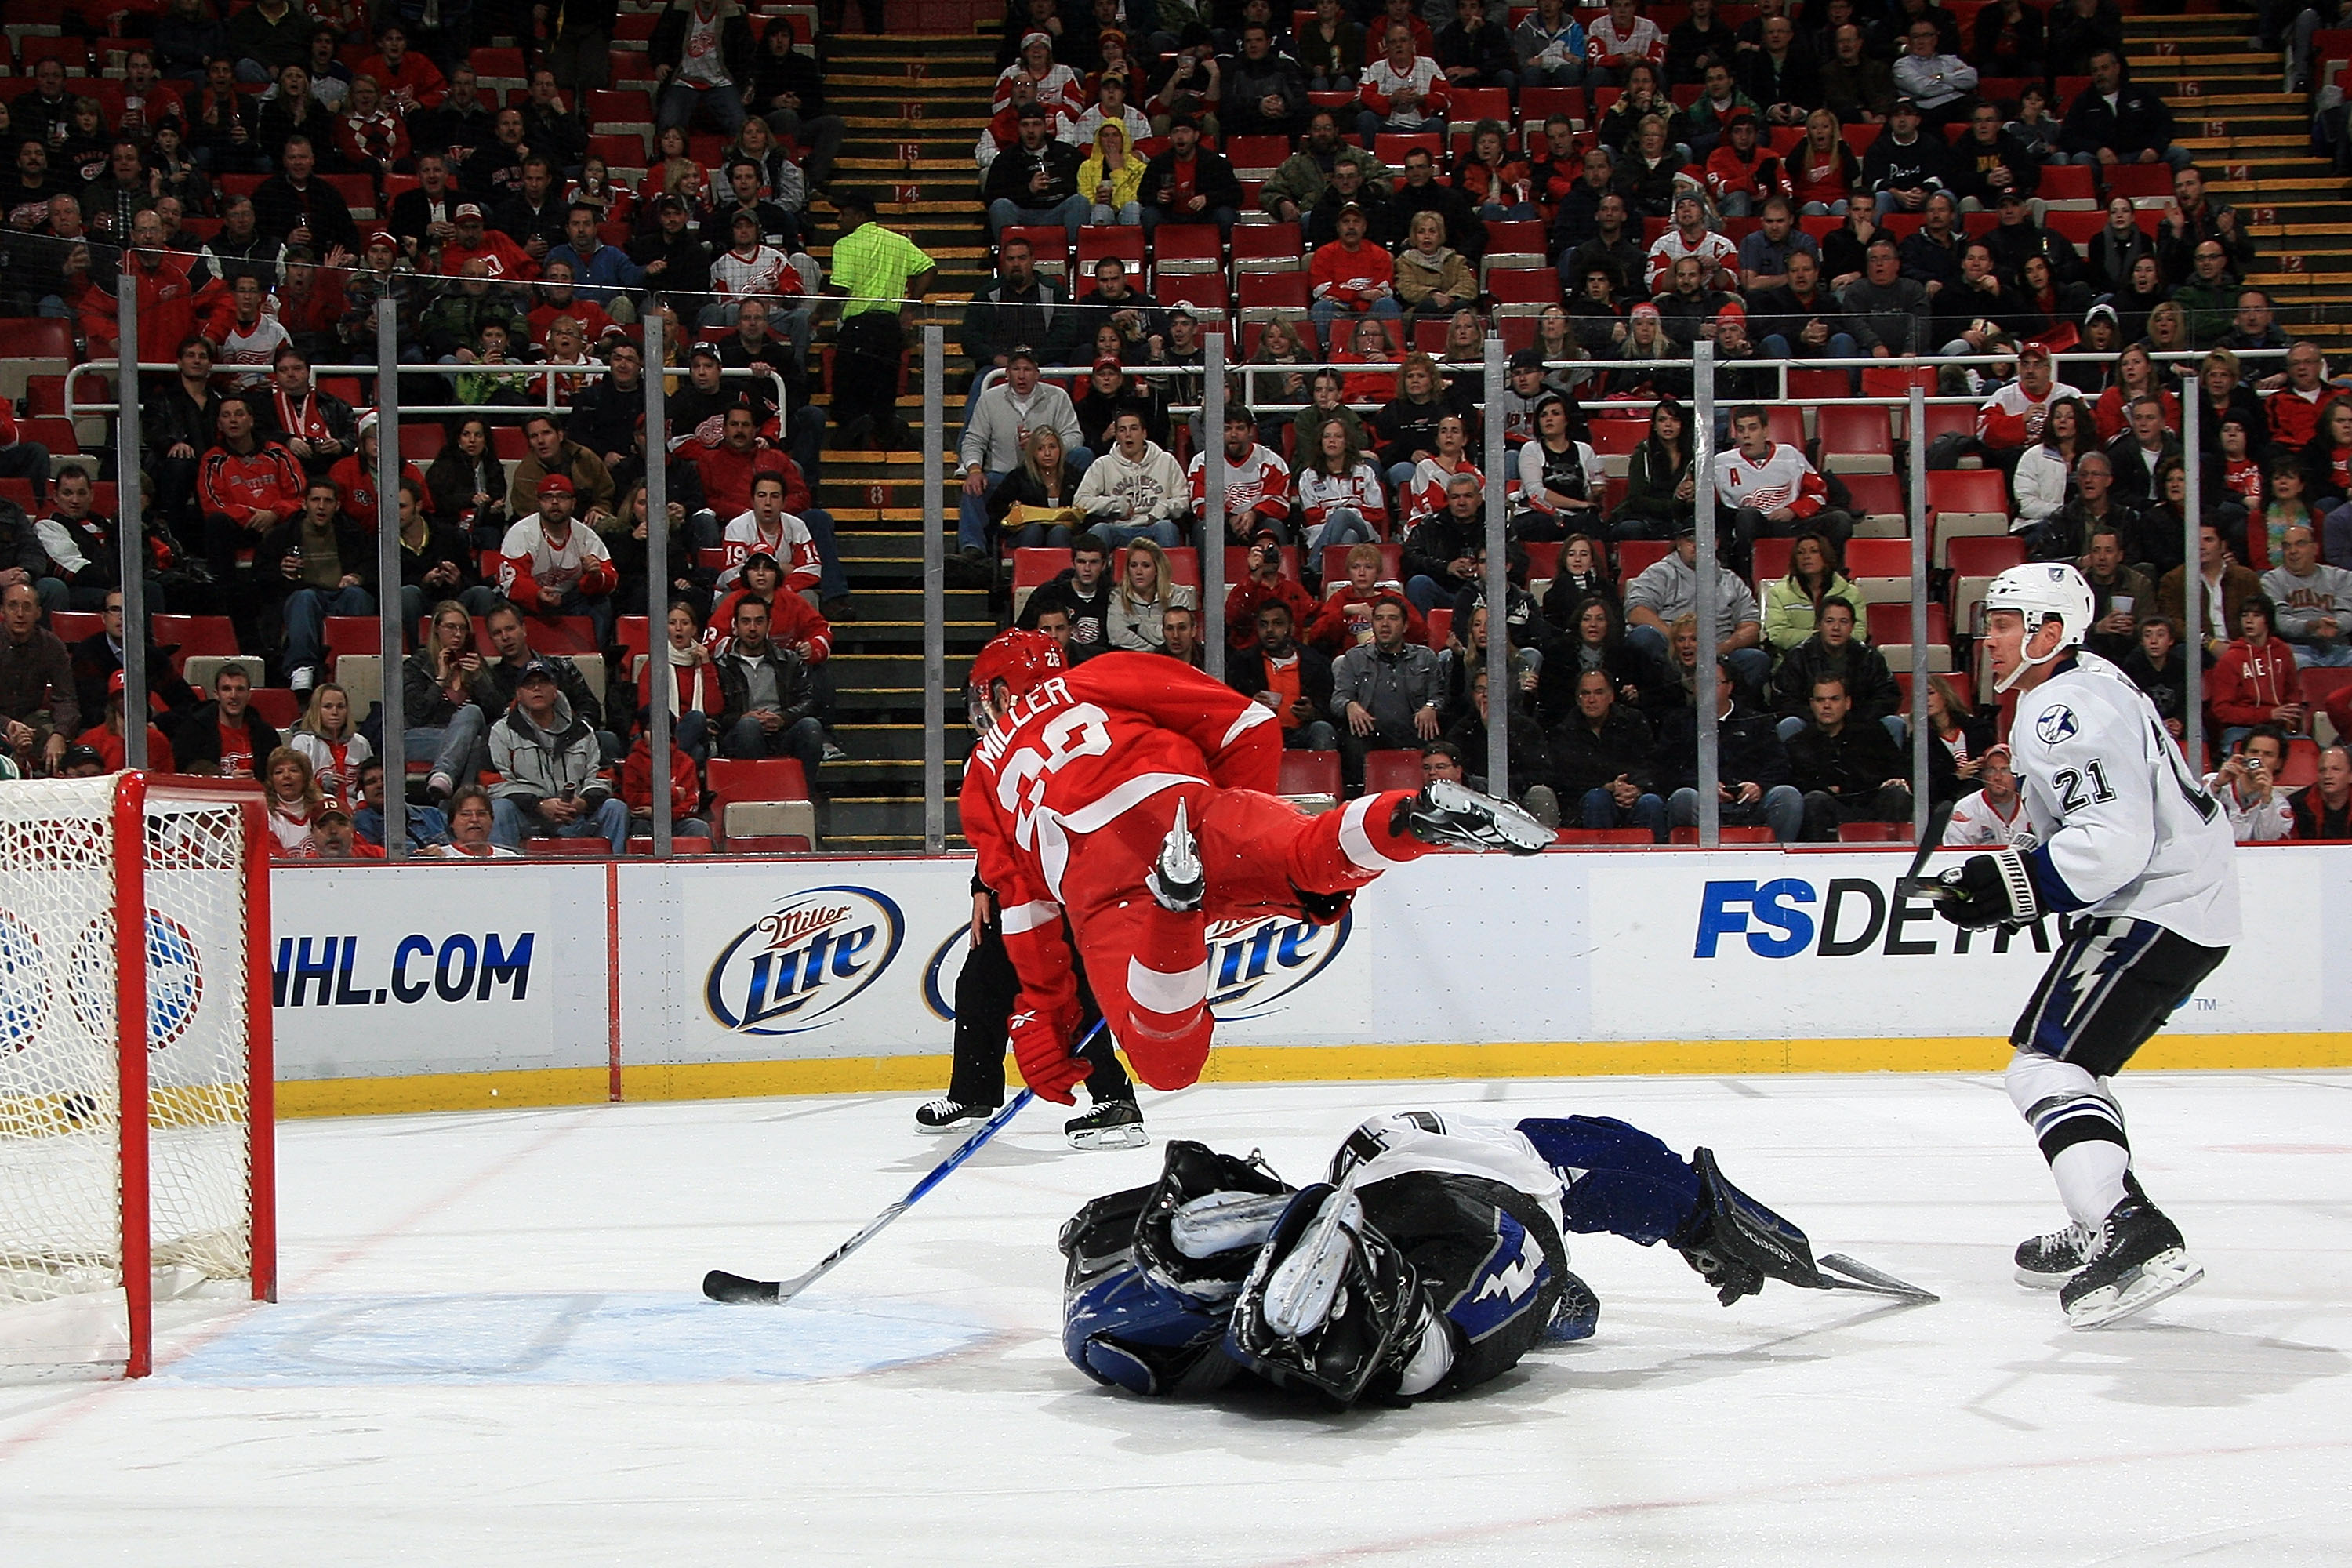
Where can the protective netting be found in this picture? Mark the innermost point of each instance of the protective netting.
(60, 1146)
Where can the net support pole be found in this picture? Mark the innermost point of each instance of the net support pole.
(130, 1064)
(131, 533)
(935, 598)
(1496, 585)
(1704, 603)
(2192, 574)
(387, 576)
(1920, 546)
(660, 683)
(1212, 505)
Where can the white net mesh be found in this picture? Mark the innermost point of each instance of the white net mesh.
(60, 1173)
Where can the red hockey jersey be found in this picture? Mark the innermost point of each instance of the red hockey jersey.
(1084, 747)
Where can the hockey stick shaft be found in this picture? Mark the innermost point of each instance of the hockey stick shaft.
(722, 1286)
(1940, 818)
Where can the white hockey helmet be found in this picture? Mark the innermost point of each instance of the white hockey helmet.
(2040, 591)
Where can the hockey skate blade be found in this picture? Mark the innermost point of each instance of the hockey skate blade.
(2168, 1273)
(1300, 1295)
(734, 1289)
(1130, 1136)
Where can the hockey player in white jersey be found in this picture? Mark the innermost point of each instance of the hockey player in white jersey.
(2126, 840)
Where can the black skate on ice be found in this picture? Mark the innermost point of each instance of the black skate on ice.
(1109, 1124)
(1176, 879)
(2136, 1260)
(1448, 813)
(945, 1115)
(2047, 1261)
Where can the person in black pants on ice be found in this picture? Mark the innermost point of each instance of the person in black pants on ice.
(984, 997)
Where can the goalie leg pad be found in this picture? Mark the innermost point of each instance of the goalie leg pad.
(1361, 1331)
(1614, 1177)
(1735, 1243)
(1190, 1173)
(1129, 1331)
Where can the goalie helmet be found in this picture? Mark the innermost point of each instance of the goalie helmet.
(1024, 660)
(2040, 591)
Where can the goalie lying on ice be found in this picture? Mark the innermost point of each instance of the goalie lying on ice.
(1429, 1261)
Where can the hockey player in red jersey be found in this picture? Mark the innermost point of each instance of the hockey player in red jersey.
(1136, 793)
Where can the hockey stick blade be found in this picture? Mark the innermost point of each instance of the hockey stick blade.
(734, 1289)
(722, 1286)
(1840, 1272)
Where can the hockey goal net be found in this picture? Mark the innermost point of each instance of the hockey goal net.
(135, 1136)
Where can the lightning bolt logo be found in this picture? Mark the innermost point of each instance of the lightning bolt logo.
(1519, 1278)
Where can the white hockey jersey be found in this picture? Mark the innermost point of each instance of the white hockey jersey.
(2122, 827)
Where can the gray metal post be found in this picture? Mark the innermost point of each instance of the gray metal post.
(2192, 571)
(1710, 810)
(130, 534)
(1920, 546)
(1497, 592)
(1211, 530)
(389, 610)
(934, 637)
(660, 682)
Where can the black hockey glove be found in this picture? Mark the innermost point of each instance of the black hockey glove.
(1986, 890)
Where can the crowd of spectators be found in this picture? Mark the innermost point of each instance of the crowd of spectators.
(1798, 185)
(522, 251)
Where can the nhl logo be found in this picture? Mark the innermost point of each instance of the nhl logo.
(2056, 724)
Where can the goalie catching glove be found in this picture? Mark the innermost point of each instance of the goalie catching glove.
(1987, 890)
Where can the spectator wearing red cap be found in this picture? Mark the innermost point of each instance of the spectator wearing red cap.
(105, 737)
(500, 256)
(549, 566)
(333, 838)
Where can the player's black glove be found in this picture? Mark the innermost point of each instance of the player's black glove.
(1987, 890)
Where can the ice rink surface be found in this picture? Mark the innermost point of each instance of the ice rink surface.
(491, 1351)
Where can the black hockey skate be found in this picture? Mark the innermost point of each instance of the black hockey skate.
(1448, 813)
(2047, 1261)
(946, 1115)
(2137, 1259)
(1176, 879)
(1109, 1124)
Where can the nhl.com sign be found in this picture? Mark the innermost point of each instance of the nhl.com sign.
(798, 965)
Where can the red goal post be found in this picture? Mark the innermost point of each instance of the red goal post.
(136, 1112)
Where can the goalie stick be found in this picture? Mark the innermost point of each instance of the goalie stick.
(1839, 1272)
(722, 1286)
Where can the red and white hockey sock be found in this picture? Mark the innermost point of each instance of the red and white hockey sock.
(1167, 1037)
(1346, 849)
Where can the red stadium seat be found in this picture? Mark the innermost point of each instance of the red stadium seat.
(1273, 291)
(2139, 180)
(1268, 248)
(1187, 247)
(1530, 289)
(1097, 241)
(538, 848)
(1985, 557)
(1471, 104)
(1854, 437)
(70, 626)
(1440, 628)
(1890, 622)
(1311, 772)
(1538, 104)
(1878, 558)
(1398, 769)
(1257, 155)
(737, 782)
(1390, 146)
(1875, 833)
(1597, 837)
(1726, 834)
(278, 706)
(1636, 555)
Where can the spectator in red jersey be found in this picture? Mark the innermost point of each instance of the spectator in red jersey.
(226, 736)
(2256, 681)
(1258, 482)
(410, 82)
(333, 837)
(329, 742)
(171, 301)
(551, 566)
(106, 739)
(247, 487)
(637, 786)
(500, 257)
